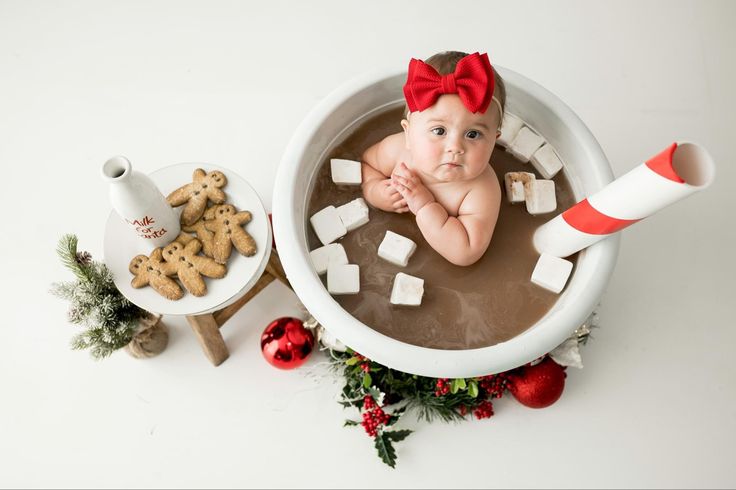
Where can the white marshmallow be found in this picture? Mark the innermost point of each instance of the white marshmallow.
(551, 272)
(546, 161)
(328, 225)
(407, 290)
(322, 256)
(516, 193)
(343, 278)
(515, 183)
(525, 144)
(353, 214)
(396, 249)
(345, 172)
(510, 127)
(540, 196)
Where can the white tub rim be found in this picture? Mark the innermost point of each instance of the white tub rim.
(595, 264)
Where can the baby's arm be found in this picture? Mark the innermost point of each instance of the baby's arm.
(462, 240)
(377, 164)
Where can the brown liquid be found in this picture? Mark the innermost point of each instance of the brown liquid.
(470, 307)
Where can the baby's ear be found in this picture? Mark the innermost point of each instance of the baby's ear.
(405, 126)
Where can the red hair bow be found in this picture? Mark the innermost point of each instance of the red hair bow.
(473, 81)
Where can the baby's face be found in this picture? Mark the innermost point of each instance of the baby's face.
(448, 142)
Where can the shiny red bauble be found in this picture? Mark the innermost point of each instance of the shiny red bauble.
(538, 386)
(286, 344)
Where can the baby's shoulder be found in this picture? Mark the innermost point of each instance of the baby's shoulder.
(393, 147)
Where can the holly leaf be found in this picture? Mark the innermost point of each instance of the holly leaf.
(457, 385)
(350, 423)
(473, 389)
(395, 416)
(386, 449)
(367, 380)
(398, 435)
(352, 361)
(374, 392)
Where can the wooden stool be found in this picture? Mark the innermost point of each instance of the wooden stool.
(207, 327)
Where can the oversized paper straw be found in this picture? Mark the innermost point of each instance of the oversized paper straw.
(675, 173)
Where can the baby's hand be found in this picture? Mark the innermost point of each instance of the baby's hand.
(411, 188)
(383, 195)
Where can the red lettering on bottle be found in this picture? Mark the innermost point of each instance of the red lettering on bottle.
(150, 232)
(146, 221)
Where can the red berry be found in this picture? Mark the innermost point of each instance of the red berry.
(368, 402)
(484, 410)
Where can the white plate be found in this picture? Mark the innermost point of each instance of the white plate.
(242, 272)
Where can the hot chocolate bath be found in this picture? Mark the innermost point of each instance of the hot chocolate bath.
(467, 307)
(474, 320)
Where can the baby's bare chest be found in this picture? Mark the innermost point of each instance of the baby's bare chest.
(451, 194)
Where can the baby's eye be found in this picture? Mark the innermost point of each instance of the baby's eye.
(473, 134)
(438, 131)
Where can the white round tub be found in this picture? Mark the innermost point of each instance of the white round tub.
(328, 124)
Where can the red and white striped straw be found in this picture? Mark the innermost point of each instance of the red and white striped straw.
(675, 173)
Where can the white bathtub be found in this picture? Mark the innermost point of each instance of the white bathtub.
(326, 126)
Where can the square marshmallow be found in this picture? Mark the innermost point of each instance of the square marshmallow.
(343, 278)
(525, 144)
(510, 127)
(407, 290)
(540, 196)
(396, 249)
(328, 225)
(515, 183)
(345, 172)
(332, 253)
(551, 272)
(353, 214)
(546, 161)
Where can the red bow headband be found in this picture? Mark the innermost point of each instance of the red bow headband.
(472, 80)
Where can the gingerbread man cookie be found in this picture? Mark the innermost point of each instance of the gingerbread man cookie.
(203, 235)
(190, 267)
(226, 223)
(154, 271)
(205, 187)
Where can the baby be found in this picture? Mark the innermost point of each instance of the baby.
(439, 167)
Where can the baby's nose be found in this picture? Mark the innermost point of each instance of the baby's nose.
(455, 148)
(454, 145)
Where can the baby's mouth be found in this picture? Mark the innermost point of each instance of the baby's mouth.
(452, 164)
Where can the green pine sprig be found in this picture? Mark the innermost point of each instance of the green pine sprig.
(110, 320)
(67, 252)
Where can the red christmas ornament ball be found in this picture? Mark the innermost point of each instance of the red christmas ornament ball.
(286, 344)
(538, 386)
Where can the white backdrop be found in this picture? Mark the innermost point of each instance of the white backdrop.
(227, 83)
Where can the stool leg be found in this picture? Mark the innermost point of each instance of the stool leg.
(275, 268)
(223, 315)
(209, 336)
